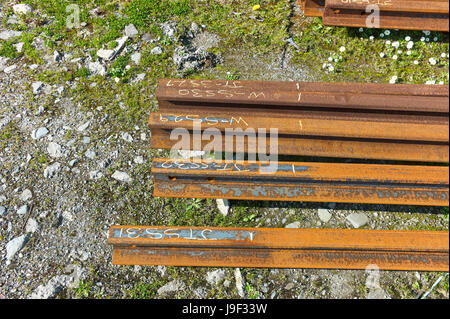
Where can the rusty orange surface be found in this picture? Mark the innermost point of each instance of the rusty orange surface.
(272, 247)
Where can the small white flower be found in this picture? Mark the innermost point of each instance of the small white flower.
(422, 39)
(324, 66)
(371, 37)
(393, 79)
(387, 32)
(427, 39)
(435, 39)
(408, 52)
(395, 57)
(432, 61)
(342, 49)
(430, 82)
(381, 35)
(331, 68)
(426, 32)
(416, 62)
(441, 82)
(410, 44)
(443, 55)
(388, 42)
(330, 59)
(361, 29)
(382, 55)
(395, 44)
(399, 51)
(407, 38)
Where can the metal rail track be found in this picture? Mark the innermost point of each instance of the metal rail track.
(395, 14)
(280, 248)
(317, 182)
(376, 121)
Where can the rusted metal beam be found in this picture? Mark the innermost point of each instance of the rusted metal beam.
(281, 248)
(318, 182)
(430, 15)
(300, 94)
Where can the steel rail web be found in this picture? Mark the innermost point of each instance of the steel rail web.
(280, 248)
(317, 182)
(394, 14)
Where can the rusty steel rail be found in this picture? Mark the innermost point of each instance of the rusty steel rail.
(430, 15)
(280, 248)
(352, 120)
(316, 182)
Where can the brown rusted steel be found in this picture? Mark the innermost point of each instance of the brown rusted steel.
(396, 14)
(318, 182)
(281, 248)
(332, 121)
(380, 97)
(311, 146)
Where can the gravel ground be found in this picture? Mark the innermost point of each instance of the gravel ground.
(75, 157)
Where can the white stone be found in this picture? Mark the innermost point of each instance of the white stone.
(136, 57)
(324, 215)
(22, 8)
(10, 68)
(293, 225)
(9, 34)
(51, 170)
(121, 176)
(26, 195)
(22, 210)
(127, 137)
(55, 285)
(2, 210)
(139, 160)
(32, 226)
(83, 127)
(39, 133)
(156, 50)
(223, 205)
(106, 54)
(97, 68)
(131, 31)
(239, 282)
(172, 286)
(216, 276)
(90, 154)
(95, 174)
(358, 219)
(54, 150)
(57, 57)
(15, 246)
(37, 87)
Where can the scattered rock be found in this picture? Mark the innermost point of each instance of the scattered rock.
(156, 50)
(171, 287)
(106, 54)
(54, 150)
(293, 225)
(57, 57)
(216, 276)
(223, 205)
(169, 29)
(9, 69)
(22, 210)
(95, 174)
(121, 176)
(37, 87)
(90, 154)
(201, 292)
(19, 46)
(15, 246)
(73, 162)
(131, 31)
(39, 133)
(83, 127)
(239, 282)
(139, 160)
(26, 195)
(51, 170)
(97, 68)
(127, 137)
(136, 58)
(22, 8)
(54, 286)
(358, 219)
(324, 215)
(32, 226)
(9, 34)
(2, 210)
(289, 286)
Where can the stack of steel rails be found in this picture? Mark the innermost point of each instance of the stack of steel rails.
(432, 15)
(323, 120)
